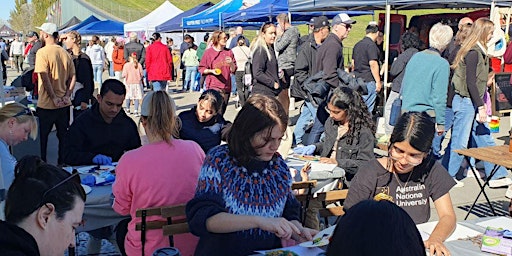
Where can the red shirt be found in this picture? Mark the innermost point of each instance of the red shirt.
(158, 62)
(213, 59)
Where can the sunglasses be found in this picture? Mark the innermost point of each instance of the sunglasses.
(348, 26)
(25, 111)
(47, 192)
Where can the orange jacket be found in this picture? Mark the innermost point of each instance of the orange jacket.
(118, 58)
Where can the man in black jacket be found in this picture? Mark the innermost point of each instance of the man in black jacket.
(304, 69)
(328, 59)
(135, 46)
(103, 133)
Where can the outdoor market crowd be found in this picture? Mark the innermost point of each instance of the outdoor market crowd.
(236, 186)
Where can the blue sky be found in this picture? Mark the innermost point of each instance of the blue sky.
(7, 6)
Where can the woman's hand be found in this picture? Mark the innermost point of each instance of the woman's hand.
(436, 247)
(306, 234)
(276, 85)
(482, 114)
(327, 160)
(304, 172)
(279, 226)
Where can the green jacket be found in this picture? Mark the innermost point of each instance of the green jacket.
(482, 70)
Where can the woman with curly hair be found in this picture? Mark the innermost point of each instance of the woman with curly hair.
(349, 138)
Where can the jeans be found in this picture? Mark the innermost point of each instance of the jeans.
(111, 69)
(307, 116)
(465, 125)
(18, 62)
(387, 111)
(135, 105)
(159, 85)
(318, 125)
(97, 70)
(370, 98)
(233, 84)
(190, 76)
(47, 118)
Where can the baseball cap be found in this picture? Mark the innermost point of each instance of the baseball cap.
(32, 33)
(320, 22)
(48, 28)
(342, 18)
(312, 21)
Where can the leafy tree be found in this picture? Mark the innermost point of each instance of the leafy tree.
(40, 9)
(21, 16)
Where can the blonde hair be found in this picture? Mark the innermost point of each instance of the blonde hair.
(480, 30)
(76, 37)
(162, 121)
(260, 40)
(22, 115)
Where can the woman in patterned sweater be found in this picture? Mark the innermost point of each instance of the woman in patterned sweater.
(243, 200)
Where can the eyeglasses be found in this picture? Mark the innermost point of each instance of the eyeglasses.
(47, 192)
(397, 154)
(335, 112)
(25, 111)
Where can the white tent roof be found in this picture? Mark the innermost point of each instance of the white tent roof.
(148, 23)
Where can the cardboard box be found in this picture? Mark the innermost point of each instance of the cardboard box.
(497, 240)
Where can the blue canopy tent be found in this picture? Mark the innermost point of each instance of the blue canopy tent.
(82, 24)
(267, 10)
(211, 18)
(104, 28)
(176, 23)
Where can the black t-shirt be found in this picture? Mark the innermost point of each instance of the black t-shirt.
(412, 196)
(365, 51)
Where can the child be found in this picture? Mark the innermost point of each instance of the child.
(132, 73)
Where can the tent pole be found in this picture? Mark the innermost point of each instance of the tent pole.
(386, 56)
(493, 8)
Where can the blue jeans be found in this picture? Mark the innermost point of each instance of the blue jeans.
(159, 85)
(97, 70)
(307, 116)
(370, 98)
(111, 69)
(233, 84)
(190, 76)
(465, 125)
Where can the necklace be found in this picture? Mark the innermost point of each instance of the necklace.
(398, 180)
(389, 165)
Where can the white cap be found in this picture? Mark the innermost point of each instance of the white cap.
(48, 28)
(342, 18)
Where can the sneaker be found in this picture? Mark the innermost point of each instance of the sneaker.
(508, 194)
(501, 182)
(458, 183)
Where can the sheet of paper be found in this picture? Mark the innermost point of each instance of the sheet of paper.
(302, 251)
(499, 222)
(320, 167)
(460, 231)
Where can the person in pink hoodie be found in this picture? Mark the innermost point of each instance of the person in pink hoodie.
(161, 173)
(132, 73)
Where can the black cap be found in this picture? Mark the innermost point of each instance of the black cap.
(32, 33)
(311, 21)
(321, 22)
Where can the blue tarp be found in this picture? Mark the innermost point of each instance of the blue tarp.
(211, 18)
(82, 24)
(105, 28)
(175, 24)
(267, 10)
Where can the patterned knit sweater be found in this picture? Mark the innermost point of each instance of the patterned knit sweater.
(258, 189)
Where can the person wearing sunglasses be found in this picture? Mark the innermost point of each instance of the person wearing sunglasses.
(44, 207)
(17, 123)
(410, 176)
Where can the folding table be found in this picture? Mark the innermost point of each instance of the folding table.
(497, 155)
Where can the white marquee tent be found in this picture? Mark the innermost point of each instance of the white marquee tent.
(147, 24)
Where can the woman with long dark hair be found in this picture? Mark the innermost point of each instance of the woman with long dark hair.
(410, 177)
(349, 139)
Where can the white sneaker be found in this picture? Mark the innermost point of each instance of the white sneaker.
(508, 194)
(501, 182)
(458, 183)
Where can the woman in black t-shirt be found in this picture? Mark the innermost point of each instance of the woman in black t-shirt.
(409, 177)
